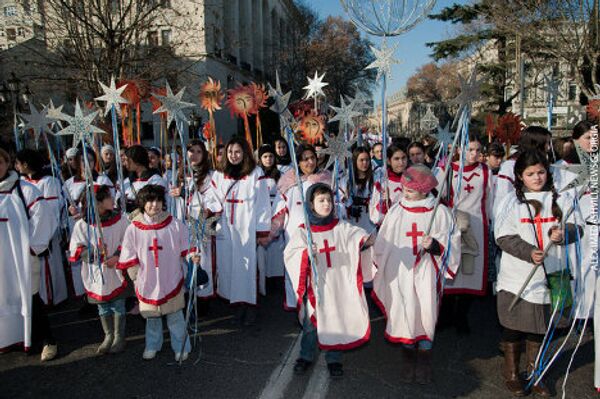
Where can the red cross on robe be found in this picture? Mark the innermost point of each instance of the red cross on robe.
(233, 202)
(327, 250)
(537, 222)
(155, 248)
(414, 234)
(469, 188)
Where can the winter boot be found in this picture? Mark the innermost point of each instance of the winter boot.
(119, 342)
(512, 379)
(107, 327)
(531, 349)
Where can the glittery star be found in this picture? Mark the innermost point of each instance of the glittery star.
(315, 86)
(551, 88)
(581, 170)
(429, 120)
(469, 90)
(444, 137)
(112, 96)
(80, 126)
(37, 121)
(384, 59)
(337, 149)
(55, 113)
(344, 114)
(172, 105)
(281, 101)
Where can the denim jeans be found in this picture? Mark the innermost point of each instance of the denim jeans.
(177, 332)
(423, 345)
(116, 306)
(308, 344)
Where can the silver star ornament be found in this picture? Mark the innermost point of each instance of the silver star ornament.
(315, 86)
(337, 149)
(80, 126)
(444, 136)
(470, 90)
(344, 113)
(37, 121)
(173, 105)
(384, 59)
(280, 102)
(112, 96)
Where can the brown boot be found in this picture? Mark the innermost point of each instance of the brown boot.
(423, 369)
(532, 348)
(512, 379)
(409, 361)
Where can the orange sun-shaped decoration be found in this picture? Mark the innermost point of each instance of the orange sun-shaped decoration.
(593, 110)
(312, 129)
(260, 95)
(240, 101)
(211, 95)
(509, 128)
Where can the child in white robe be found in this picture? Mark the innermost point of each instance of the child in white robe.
(332, 307)
(397, 161)
(104, 284)
(153, 248)
(410, 269)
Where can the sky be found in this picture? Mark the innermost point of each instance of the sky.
(411, 50)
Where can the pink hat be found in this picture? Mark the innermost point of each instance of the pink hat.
(419, 178)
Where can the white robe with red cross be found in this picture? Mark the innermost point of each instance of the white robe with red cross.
(360, 199)
(157, 248)
(101, 282)
(246, 214)
(53, 284)
(394, 190)
(336, 303)
(408, 280)
(198, 203)
(475, 199)
(515, 219)
(505, 180)
(131, 188)
(26, 225)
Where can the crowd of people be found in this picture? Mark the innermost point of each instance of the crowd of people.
(423, 235)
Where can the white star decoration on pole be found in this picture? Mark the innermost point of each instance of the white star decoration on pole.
(384, 59)
(315, 86)
(80, 126)
(37, 121)
(344, 113)
(337, 149)
(469, 90)
(173, 105)
(112, 96)
(280, 102)
(444, 136)
(429, 120)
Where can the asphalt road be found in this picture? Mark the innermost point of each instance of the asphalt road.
(256, 362)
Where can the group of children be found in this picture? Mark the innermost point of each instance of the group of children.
(423, 237)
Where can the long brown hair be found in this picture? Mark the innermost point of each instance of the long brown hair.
(201, 170)
(368, 180)
(247, 165)
(525, 160)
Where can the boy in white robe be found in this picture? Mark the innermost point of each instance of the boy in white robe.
(410, 269)
(332, 307)
(104, 284)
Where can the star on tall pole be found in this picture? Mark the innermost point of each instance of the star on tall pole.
(470, 90)
(337, 149)
(38, 121)
(280, 102)
(314, 89)
(80, 126)
(173, 105)
(112, 96)
(344, 113)
(384, 59)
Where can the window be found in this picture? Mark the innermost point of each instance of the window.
(21, 32)
(11, 34)
(10, 11)
(572, 92)
(153, 38)
(165, 37)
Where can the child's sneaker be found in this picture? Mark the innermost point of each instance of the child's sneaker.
(149, 354)
(183, 357)
(49, 352)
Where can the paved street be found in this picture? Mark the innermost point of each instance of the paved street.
(257, 362)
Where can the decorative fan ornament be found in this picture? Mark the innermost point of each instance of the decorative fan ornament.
(312, 129)
(508, 129)
(240, 102)
(259, 92)
(490, 124)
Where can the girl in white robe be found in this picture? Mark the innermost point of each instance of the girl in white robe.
(397, 161)
(240, 196)
(409, 263)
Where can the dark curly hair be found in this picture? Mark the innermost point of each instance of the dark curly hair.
(149, 193)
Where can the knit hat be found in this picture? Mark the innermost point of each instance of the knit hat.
(266, 149)
(107, 148)
(419, 178)
(72, 152)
